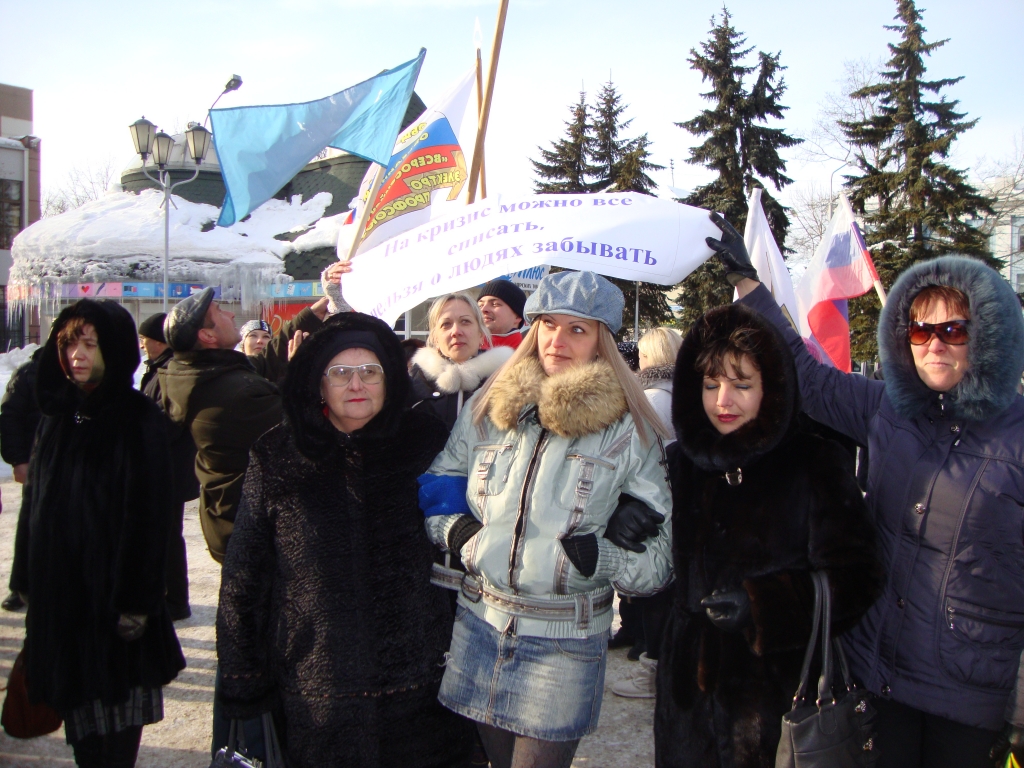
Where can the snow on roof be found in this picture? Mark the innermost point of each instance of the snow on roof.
(121, 237)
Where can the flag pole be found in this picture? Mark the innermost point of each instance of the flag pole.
(364, 214)
(485, 112)
(480, 108)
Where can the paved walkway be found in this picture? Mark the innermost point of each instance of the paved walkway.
(182, 738)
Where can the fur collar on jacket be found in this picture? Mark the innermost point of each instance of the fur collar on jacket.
(704, 445)
(995, 352)
(649, 377)
(449, 377)
(581, 401)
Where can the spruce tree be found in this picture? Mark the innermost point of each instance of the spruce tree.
(630, 173)
(915, 206)
(739, 148)
(565, 167)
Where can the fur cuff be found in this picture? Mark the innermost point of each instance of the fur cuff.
(780, 609)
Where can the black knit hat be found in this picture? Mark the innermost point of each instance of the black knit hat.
(508, 292)
(153, 327)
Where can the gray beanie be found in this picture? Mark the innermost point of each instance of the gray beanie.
(185, 320)
(581, 294)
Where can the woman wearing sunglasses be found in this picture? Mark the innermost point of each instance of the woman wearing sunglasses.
(326, 612)
(941, 647)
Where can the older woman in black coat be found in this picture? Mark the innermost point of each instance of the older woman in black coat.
(92, 538)
(326, 604)
(758, 504)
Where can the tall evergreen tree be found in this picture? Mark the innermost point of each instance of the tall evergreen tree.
(739, 148)
(606, 147)
(915, 206)
(565, 167)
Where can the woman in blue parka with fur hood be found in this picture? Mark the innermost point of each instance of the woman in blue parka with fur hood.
(941, 648)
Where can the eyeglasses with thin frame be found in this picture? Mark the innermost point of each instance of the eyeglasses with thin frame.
(950, 332)
(341, 375)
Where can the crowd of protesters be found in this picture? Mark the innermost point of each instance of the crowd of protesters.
(422, 543)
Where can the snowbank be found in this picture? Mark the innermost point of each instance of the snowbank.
(9, 363)
(121, 237)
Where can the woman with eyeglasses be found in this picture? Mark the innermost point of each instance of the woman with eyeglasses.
(941, 647)
(327, 614)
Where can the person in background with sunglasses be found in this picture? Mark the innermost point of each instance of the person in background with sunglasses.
(327, 615)
(941, 648)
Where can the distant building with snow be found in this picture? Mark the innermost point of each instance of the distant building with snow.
(19, 189)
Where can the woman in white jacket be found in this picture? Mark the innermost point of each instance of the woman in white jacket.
(550, 485)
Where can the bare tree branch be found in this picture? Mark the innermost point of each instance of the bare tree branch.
(827, 142)
(810, 211)
(82, 184)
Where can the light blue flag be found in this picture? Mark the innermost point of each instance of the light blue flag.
(260, 149)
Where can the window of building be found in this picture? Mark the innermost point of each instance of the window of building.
(10, 212)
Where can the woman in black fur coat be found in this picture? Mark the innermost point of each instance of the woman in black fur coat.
(758, 504)
(92, 538)
(326, 606)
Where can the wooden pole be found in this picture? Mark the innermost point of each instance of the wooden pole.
(480, 109)
(364, 215)
(485, 113)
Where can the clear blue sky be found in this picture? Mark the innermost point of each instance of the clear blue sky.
(96, 67)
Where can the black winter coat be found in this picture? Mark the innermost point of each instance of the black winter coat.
(721, 696)
(19, 413)
(92, 534)
(442, 387)
(326, 603)
(185, 485)
(946, 492)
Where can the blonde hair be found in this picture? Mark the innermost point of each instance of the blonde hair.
(639, 407)
(660, 346)
(434, 316)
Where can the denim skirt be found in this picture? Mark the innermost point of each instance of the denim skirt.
(543, 688)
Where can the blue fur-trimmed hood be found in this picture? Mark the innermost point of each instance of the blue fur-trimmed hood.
(995, 352)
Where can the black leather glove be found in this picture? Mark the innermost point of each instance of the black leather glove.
(130, 626)
(731, 251)
(462, 530)
(632, 523)
(1010, 741)
(728, 609)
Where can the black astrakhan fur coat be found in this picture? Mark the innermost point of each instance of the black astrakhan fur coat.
(94, 524)
(326, 607)
(721, 696)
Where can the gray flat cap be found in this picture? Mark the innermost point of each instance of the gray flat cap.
(581, 294)
(185, 320)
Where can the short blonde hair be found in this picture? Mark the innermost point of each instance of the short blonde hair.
(434, 316)
(644, 416)
(660, 346)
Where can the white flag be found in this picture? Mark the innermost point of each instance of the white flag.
(767, 258)
(427, 173)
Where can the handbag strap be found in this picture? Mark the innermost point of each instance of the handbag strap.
(825, 681)
(805, 670)
(844, 665)
(274, 757)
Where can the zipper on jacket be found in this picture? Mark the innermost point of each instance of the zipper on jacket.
(952, 613)
(521, 514)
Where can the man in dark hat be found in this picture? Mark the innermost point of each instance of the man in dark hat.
(183, 452)
(211, 390)
(501, 302)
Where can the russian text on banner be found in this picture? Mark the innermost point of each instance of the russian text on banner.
(261, 148)
(624, 235)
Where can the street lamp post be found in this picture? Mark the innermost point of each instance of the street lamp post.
(160, 146)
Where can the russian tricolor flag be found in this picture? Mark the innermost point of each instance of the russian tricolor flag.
(841, 269)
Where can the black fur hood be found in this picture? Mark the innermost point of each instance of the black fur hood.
(777, 417)
(995, 351)
(303, 408)
(119, 344)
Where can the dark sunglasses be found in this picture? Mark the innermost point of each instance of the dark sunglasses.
(951, 332)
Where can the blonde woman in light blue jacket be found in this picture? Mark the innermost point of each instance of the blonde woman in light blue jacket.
(552, 489)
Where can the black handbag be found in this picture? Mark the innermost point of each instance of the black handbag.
(830, 733)
(234, 754)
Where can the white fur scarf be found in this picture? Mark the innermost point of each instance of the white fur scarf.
(449, 377)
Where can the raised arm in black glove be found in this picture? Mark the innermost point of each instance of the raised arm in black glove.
(731, 251)
(728, 609)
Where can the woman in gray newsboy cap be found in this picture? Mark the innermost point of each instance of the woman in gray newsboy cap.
(567, 503)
